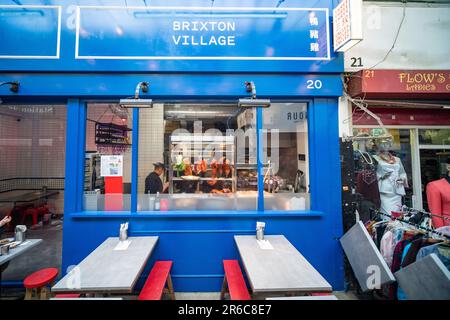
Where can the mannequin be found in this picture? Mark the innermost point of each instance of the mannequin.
(391, 176)
(438, 196)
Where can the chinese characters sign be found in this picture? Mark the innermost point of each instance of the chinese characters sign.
(347, 24)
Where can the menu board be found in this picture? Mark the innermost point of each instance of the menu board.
(112, 166)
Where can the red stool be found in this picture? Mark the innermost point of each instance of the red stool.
(33, 212)
(42, 210)
(39, 280)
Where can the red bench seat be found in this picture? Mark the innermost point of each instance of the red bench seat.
(68, 295)
(156, 282)
(234, 281)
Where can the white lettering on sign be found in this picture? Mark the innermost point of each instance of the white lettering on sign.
(204, 26)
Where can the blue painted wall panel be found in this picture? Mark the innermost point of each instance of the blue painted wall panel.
(29, 32)
(171, 86)
(198, 255)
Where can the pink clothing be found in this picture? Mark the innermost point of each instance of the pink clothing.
(438, 195)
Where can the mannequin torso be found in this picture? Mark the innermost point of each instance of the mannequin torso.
(438, 196)
(392, 180)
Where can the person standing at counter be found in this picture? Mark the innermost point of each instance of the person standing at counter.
(153, 183)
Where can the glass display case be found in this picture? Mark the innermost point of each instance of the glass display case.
(202, 164)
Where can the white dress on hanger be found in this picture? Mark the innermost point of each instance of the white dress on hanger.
(391, 192)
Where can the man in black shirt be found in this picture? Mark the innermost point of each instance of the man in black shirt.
(153, 183)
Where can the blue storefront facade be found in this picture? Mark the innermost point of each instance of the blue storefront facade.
(80, 52)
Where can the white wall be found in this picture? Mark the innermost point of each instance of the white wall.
(32, 145)
(151, 141)
(423, 41)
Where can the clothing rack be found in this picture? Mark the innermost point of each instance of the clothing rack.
(411, 210)
(440, 234)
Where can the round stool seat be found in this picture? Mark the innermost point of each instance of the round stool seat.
(40, 278)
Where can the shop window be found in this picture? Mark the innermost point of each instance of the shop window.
(32, 171)
(107, 184)
(395, 189)
(285, 157)
(434, 149)
(208, 153)
(434, 137)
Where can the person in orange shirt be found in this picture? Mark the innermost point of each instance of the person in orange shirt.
(438, 196)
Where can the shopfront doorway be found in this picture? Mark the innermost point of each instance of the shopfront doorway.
(432, 167)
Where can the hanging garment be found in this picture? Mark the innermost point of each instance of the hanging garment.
(414, 248)
(387, 247)
(442, 251)
(379, 234)
(400, 294)
(445, 230)
(367, 185)
(397, 261)
(391, 191)
(388, 243)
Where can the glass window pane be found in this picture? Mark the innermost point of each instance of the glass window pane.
(32, 171)
(107, 184)
(434, 136)
(198, 157)
(433, 166)
(285, 157)
(367, 175)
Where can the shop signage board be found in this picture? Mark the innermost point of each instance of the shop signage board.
(347, 25)
(157, 38)
(425, 279)
(401, 83)
(367, 263)
(291, 118)
(202, 33)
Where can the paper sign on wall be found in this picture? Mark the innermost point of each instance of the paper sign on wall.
(111, 166)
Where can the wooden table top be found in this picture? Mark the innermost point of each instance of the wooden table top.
(281, 269)
(109, 270)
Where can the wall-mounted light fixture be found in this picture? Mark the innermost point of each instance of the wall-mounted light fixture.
(14, 86)
(136, 102)
(253, 101)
